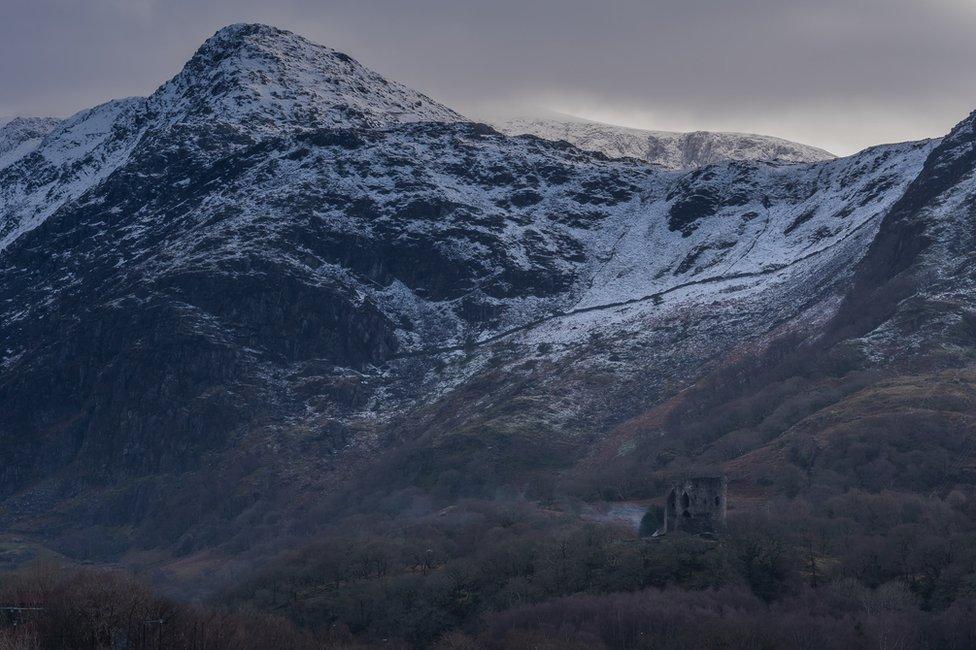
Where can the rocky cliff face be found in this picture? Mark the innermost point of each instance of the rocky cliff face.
(917, 275)
(283, 253)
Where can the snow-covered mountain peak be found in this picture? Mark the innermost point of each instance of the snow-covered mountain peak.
(269, 79)
(245, 83)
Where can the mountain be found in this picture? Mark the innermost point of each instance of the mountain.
(19, 135)
(666, 148)
(246, 81)
(282, 292)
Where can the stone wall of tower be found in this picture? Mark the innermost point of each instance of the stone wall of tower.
(696, 505)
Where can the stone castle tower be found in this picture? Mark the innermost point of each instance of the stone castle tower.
(696, 505)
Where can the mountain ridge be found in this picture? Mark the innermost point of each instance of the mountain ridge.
(670, 149)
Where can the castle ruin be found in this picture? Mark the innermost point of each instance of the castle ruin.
(696, 505)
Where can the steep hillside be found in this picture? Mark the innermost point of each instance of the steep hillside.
(880, 397)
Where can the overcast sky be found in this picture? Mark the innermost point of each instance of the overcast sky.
(840, 74)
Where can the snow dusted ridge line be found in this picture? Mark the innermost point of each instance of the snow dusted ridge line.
(669, 149)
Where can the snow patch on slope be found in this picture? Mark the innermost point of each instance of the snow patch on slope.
(78, 153)
(21, 135)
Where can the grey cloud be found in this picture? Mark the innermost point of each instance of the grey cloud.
(836, 73)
